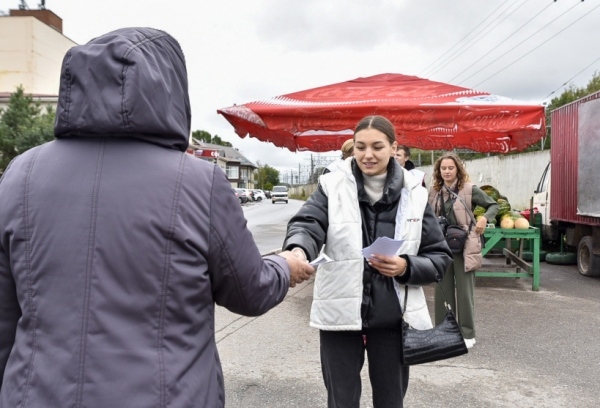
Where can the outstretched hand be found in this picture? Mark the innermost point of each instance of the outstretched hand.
(300, 270)
(388, 265)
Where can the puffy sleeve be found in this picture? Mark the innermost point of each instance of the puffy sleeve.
(242, 280)
(481, 199)
(308, 228)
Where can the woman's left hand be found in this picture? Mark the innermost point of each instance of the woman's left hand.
(388, 266)
(480, 226)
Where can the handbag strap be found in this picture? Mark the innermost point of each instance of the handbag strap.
(406, 299)
(469, 211)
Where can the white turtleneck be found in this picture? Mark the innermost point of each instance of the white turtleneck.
(374, 186)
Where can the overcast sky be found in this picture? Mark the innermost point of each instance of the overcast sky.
(242, 51)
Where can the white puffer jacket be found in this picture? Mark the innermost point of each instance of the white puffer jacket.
(339, 285)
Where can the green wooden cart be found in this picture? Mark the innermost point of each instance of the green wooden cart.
(523, 269)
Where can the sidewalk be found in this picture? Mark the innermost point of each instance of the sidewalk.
(534, 349)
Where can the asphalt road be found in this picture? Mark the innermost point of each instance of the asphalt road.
(268, 222)
(534, 349)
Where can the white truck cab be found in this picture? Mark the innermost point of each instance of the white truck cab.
(279, 193)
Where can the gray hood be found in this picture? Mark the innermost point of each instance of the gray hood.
(100, 93)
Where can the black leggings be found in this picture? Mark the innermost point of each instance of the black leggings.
(342, 359)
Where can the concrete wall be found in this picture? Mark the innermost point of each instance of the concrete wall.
(515, 176)
(308, 189)
(31, 55)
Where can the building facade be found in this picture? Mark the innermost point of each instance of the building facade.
(238, 169)
(32, 48)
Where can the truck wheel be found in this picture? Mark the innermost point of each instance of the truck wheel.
(561, 258)
(587, 263)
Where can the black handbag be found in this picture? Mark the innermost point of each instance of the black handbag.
(456, 237)
(439, 343)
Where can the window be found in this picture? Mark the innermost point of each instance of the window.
(543, 184)
(233, 172)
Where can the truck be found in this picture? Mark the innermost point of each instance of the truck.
(568, 193)
(279, 193)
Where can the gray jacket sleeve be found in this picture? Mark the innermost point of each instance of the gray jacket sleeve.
(242, 280)
(480, 198)
(10, 312)
(434, 256)
(308, 228)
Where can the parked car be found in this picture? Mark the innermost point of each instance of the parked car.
(249, 194)
(279, 193)
(242, 196)
(267, 193)
(259, 195)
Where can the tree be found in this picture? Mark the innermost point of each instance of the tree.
(570, 94)
(204, 136)
(23, 126)
(217, 140)
(267, 176)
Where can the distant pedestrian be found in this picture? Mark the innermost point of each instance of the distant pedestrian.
(115, 244)
(367, 198)
(347, 151)
(449, 174)
(403, 158)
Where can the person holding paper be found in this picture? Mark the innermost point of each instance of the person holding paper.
(369, 197)
(455, 197)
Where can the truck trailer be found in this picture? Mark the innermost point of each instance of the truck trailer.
(568, 194)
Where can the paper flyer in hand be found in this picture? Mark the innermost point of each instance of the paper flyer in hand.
(321, 259)
(382, 246)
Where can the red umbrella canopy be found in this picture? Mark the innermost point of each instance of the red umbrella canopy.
(426, 114)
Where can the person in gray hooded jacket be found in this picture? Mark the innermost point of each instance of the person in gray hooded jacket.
(115, 244)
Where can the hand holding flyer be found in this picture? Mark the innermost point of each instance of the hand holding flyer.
(383, 246)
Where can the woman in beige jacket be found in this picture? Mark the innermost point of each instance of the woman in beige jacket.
(449, 175)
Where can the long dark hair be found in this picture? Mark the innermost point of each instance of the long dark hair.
(461, 173)
(377, 122)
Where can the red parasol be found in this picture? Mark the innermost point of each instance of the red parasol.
(427, 115)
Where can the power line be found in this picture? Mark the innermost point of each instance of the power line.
(570, 79)
(459, 41)
(502, 42)
(530, 51)
(525, 40)
(489, 29)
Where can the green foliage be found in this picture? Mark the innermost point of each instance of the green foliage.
(202, 136)
(206, 137)
(570, 94)
(23, 125)
(267, 177)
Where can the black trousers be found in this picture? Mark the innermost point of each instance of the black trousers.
(342, 359)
